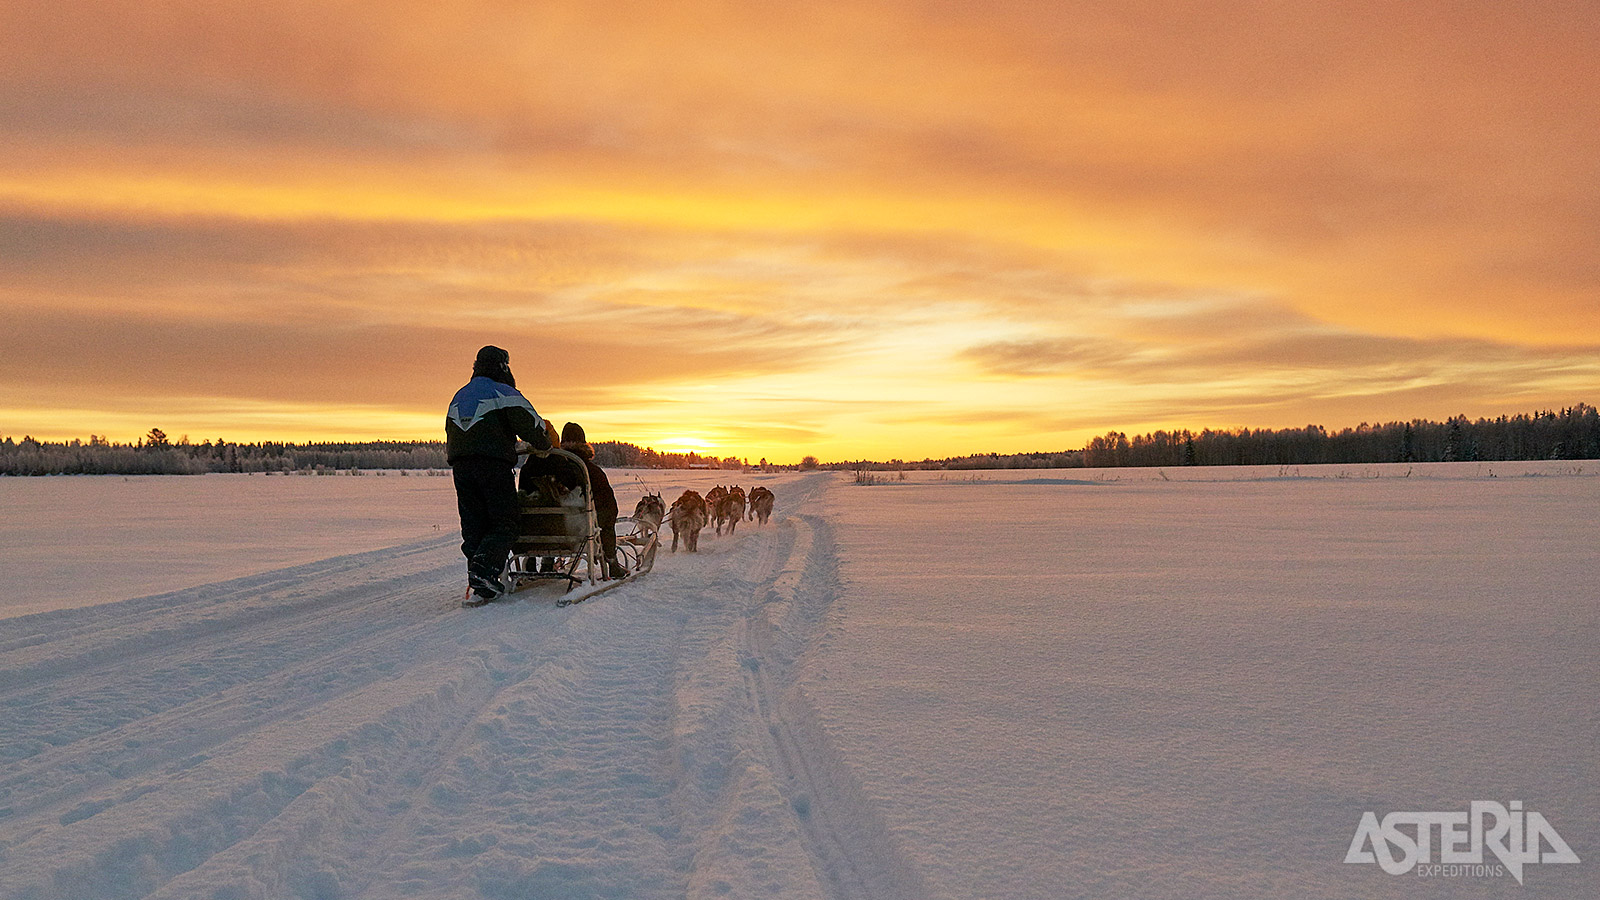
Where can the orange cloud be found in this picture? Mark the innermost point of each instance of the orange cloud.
(1060, 218)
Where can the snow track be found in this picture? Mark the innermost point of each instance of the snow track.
(840, 832)
(1187, 688)
(342, 729)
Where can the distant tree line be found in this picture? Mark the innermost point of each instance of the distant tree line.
(1061, 459)
(617, 454)
(157, 454)
(1572, 433)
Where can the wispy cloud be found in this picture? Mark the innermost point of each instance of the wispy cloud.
(748, 221)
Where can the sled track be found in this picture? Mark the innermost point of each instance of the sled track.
(83, 640)
(343, 729)
(845, 837)
(153, 709)
(182, 731)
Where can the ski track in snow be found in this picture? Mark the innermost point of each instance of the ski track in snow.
(344, 729)
(1134, 689)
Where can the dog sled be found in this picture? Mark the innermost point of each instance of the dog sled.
(558, 533)
(638, 536)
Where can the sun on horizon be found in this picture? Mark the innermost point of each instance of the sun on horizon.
(870, 230)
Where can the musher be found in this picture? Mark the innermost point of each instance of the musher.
(481, 429)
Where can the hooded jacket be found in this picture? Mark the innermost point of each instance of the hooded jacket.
(485, 419)
(605, 499)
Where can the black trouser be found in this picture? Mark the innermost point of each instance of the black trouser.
(486, 497)
(608, 550)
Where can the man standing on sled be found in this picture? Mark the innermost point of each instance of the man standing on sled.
(481, 429)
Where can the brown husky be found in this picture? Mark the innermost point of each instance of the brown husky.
(687, 516)
(650, 510)
(728, 509)
(761, 504)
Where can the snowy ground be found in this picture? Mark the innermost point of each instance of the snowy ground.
(1033, 685)
(82, 540)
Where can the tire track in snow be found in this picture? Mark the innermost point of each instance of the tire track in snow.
(571, 753)
(378, 855)
(774, 809)
(106, 689)
(384, 851)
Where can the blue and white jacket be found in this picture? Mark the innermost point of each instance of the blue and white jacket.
(485, 420)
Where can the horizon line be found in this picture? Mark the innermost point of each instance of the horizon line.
(710, 454)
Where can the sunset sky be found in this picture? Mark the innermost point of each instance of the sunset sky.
(863, 229)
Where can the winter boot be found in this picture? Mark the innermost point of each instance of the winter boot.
(486, 585)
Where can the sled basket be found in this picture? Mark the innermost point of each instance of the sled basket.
(558, 535)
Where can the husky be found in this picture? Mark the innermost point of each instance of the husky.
(650, 510)
(687, 516)
(761, 504)
(727, 508)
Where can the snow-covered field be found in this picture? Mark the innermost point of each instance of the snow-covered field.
(1121, 684)
(76, 541)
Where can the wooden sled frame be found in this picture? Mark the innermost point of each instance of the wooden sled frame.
(637, 540)
(567, 538)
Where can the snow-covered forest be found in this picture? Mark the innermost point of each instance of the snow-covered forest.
(1571, 433)
(157, 454)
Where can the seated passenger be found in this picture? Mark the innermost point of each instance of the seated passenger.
(535, 469)
(575, 442)
(549, 481)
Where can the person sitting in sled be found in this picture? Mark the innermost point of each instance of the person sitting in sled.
(481, 429)
(574, 441)
(546, 479)
(537, 469)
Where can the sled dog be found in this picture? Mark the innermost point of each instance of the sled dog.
(687, 516)
(761, 504)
